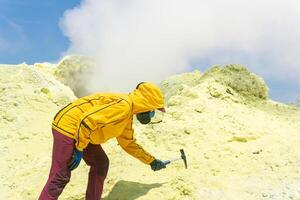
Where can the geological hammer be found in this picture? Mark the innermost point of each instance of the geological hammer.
(183, 157)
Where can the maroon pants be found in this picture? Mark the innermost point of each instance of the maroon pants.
(60, 175)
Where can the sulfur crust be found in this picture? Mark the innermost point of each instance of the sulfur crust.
(239, 144)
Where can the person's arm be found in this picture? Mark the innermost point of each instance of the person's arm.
(128, 143)
(97, 117)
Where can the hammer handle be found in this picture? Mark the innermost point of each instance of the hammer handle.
(167, 162)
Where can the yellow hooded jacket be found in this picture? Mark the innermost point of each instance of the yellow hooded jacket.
(99, 117)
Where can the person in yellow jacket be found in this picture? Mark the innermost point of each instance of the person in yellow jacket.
(80, 127)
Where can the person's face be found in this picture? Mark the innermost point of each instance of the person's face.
(145, 117)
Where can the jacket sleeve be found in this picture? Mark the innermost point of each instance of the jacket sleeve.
(128, 143)
(97, 117)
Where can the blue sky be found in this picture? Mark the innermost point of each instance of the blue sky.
(29, 30)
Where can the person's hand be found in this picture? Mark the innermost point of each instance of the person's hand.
(157, 165)
(76, 158)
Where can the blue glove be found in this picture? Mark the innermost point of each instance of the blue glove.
(157, 165)
(76, 158)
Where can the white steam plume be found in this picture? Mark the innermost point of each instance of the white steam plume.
(148, 40)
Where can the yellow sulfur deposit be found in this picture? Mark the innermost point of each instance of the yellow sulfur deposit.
(239, 144)
(70, 70)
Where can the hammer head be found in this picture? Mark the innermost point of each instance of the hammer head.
(183, 157)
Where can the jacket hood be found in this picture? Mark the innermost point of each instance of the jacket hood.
(146, 97)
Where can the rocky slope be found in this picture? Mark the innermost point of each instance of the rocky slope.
(239, 143)
(28, 99)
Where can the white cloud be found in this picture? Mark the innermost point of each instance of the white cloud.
(136, 40)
